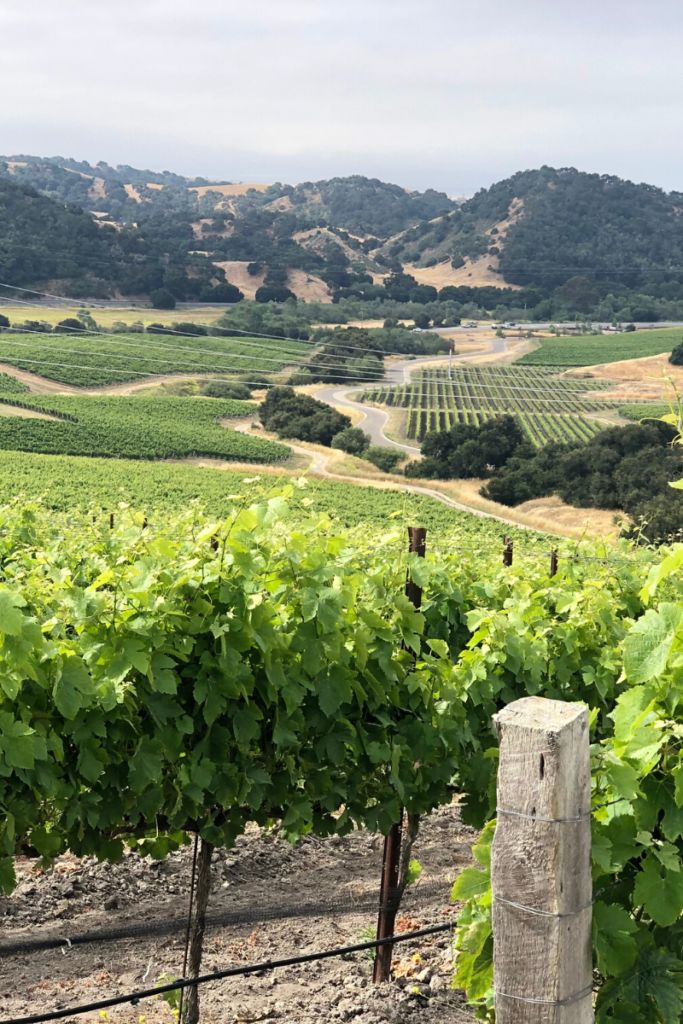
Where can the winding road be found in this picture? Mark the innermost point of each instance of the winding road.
(374, 420)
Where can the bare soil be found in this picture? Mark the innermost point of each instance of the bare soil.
(319, 894)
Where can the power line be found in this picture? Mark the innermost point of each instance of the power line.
(236, 330)
(180, 348)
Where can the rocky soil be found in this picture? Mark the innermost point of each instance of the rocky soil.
(269, 900)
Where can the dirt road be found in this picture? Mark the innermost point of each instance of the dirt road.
(374, 420)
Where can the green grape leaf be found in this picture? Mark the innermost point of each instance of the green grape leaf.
(8, 879)
(145, 765)
(660, 891)
(245, 726)
(73, 687)
(613, 938)
(470, 883)
(649, 642)
(11, 619)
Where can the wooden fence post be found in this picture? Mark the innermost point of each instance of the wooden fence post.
(541, 865)
(553, 562)
(507, 552)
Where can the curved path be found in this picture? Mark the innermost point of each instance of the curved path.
(373, 420)
(320, 466)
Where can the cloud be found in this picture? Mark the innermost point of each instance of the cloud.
(441, 92)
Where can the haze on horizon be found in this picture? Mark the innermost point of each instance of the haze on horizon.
(441, 93)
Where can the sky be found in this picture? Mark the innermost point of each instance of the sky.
(442, 94)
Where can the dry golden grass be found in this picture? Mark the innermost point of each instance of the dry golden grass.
(237, 274)
(97, 189)
(229, 189)
(475, 273)
(308, 286)
(106, 317)
(305, 286)
(548, 515)
(651, 377)
(132, 193)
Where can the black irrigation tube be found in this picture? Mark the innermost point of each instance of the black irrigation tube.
(170, 925)
(228, 972)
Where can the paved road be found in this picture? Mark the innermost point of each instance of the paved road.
(373, 420)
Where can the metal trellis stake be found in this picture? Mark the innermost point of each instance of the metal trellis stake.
(391, 859)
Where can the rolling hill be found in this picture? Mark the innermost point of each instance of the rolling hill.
(555, 241)
(548, 229)
(307, 240)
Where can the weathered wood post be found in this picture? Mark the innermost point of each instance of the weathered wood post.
(540, 868)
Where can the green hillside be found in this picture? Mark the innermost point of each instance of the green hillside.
(550, 229)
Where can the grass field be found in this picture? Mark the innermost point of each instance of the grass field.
(135, 428)
(548, 407)
(19, 312)
(97, 360)
(590, 350)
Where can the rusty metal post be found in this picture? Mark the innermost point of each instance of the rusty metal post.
(507, 553)
(553, 562)
(391, 859)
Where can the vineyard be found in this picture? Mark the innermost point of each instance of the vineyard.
(195, 674)
(95, 360)
(547, 406)
(590, 350)
(134, 428)
(65, 483)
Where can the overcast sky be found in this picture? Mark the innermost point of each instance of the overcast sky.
(442, 93)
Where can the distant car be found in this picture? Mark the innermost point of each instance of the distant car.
(471, 323)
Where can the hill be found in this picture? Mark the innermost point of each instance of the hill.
(308, 240)
(48, 245)
(586, 235)
(553, 242)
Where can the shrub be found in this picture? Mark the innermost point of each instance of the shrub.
(162, 298)
(225, 389)
(386, 459)
(353, 440)
(70, 323)
(290, 415)
(676, 356)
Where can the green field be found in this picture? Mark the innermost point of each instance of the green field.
(96, 360)
(548, 407)
(70, 484)
(11, 386)
(134, 428)
(590, 350)
(645, 410)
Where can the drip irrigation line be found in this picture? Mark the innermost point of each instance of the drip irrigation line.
(174, 925)
(228, 972)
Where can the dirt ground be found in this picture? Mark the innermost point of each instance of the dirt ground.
(281, 888)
